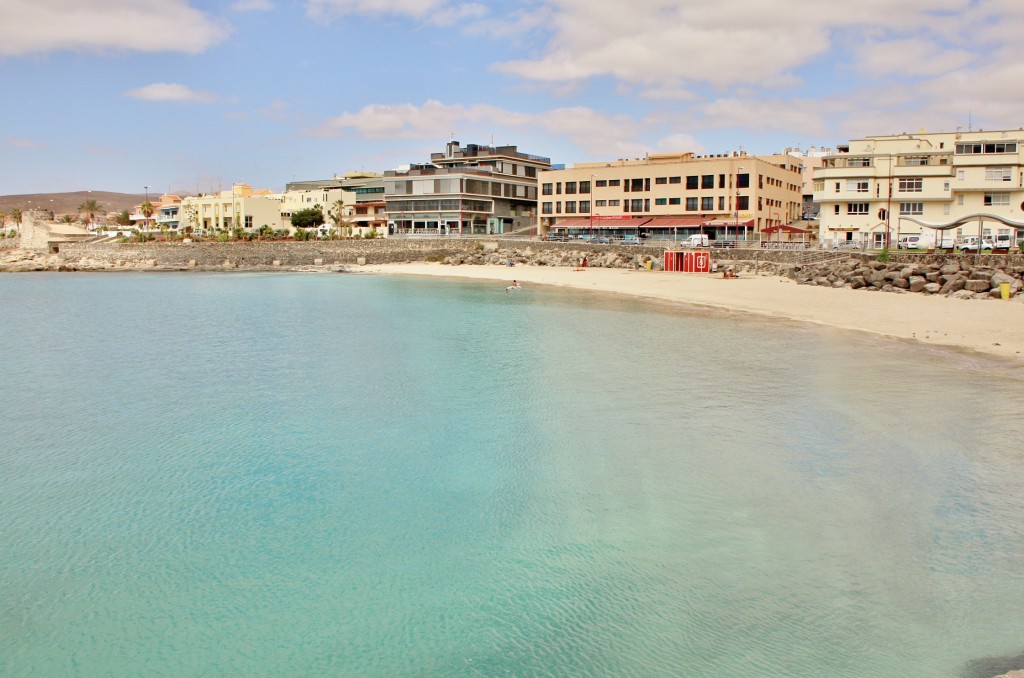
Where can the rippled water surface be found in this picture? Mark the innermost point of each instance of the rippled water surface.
(342, 475)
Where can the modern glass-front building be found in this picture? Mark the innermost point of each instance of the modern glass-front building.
(471, 190)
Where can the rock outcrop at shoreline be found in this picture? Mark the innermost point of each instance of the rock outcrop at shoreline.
(957, 278)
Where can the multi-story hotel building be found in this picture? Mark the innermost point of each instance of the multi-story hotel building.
(728, 197)
(875, 189)
(465, 190)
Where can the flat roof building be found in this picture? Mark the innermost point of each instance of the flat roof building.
(880, 187)
(465, 190)
(728, 197)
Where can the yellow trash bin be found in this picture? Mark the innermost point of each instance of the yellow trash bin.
(649, 264)
(1004, 290)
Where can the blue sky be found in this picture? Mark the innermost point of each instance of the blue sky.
(183, 95)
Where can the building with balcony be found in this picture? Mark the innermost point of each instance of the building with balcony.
(671, 196)
(240, 207)
(352, 204)
(165, 215)
(465, 190)
(875, 189)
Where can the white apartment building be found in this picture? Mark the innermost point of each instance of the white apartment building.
(942, 186)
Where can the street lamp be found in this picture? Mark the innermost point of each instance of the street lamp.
(146, 222)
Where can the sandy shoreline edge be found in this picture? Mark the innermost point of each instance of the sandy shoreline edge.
(990, 327)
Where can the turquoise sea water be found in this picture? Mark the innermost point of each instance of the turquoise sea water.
(308, 475)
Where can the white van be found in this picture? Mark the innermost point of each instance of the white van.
(697, 240)
(912, 242)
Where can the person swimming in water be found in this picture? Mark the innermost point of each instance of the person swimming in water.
(514, 286)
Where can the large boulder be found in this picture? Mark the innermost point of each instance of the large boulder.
(932, 288)
(999, 278)
(917, 283)
(977, 286)
(952, 286)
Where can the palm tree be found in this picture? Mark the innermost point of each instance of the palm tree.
(334, 213)
(147, 211)
(90, 207)
(16, 215)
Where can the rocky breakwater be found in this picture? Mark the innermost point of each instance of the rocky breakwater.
(960, 278)
(545, 255)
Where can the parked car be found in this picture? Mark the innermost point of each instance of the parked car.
(1005, 241)
(848, 245)
(971, 244)
(697, 240)
(912, 242)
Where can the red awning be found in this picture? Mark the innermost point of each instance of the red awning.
(585, 222)
(786, 229)
(673, 222)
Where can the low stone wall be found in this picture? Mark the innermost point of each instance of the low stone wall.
(903, 271)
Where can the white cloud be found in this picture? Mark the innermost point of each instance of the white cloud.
(35, 26)
(438, 12)
(598, 134)
(737, 42)
(252, 6)
(165, 91)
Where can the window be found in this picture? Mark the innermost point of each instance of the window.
(960, 200)
(742, 202)
(959, 175)
(911, 208)
(721, 203)
(743, 181)
(707, 181)
(856, 186)
(546, 208)
(819, 185)
(691, 183)
(570, 187)
(584, 206)
(836, 208)
(661, 180)
(613, 203)
(584, 187)
(997, 174)
(675, 180)
(911, 184)
(858, 162)
(248, 221)
(661, 201)
(601, 203)
(988, 147)
(570, 206)
(915, 160)
(601, 183)
(945, 185)
(721, 181)
(613, 182)
(837, 186)
(997, 199)
(547, 189)
(691, 204)
(558, 207)
(638, 205)
(558, 188)
(707, 203)
(856, 208)
(674, 201)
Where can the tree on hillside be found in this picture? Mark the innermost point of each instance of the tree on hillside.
(311, 217)
(16, 215)
(90, 207)
(66, 219)
(123, 218)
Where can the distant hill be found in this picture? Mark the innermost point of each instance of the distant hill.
(67, 203)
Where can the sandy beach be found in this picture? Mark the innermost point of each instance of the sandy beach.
(990, 327)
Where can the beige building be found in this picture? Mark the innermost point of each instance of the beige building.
(353, 204)
(670, 196)
(240, 207)
(943, 187)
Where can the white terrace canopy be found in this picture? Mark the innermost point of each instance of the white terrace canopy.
(960, 221)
